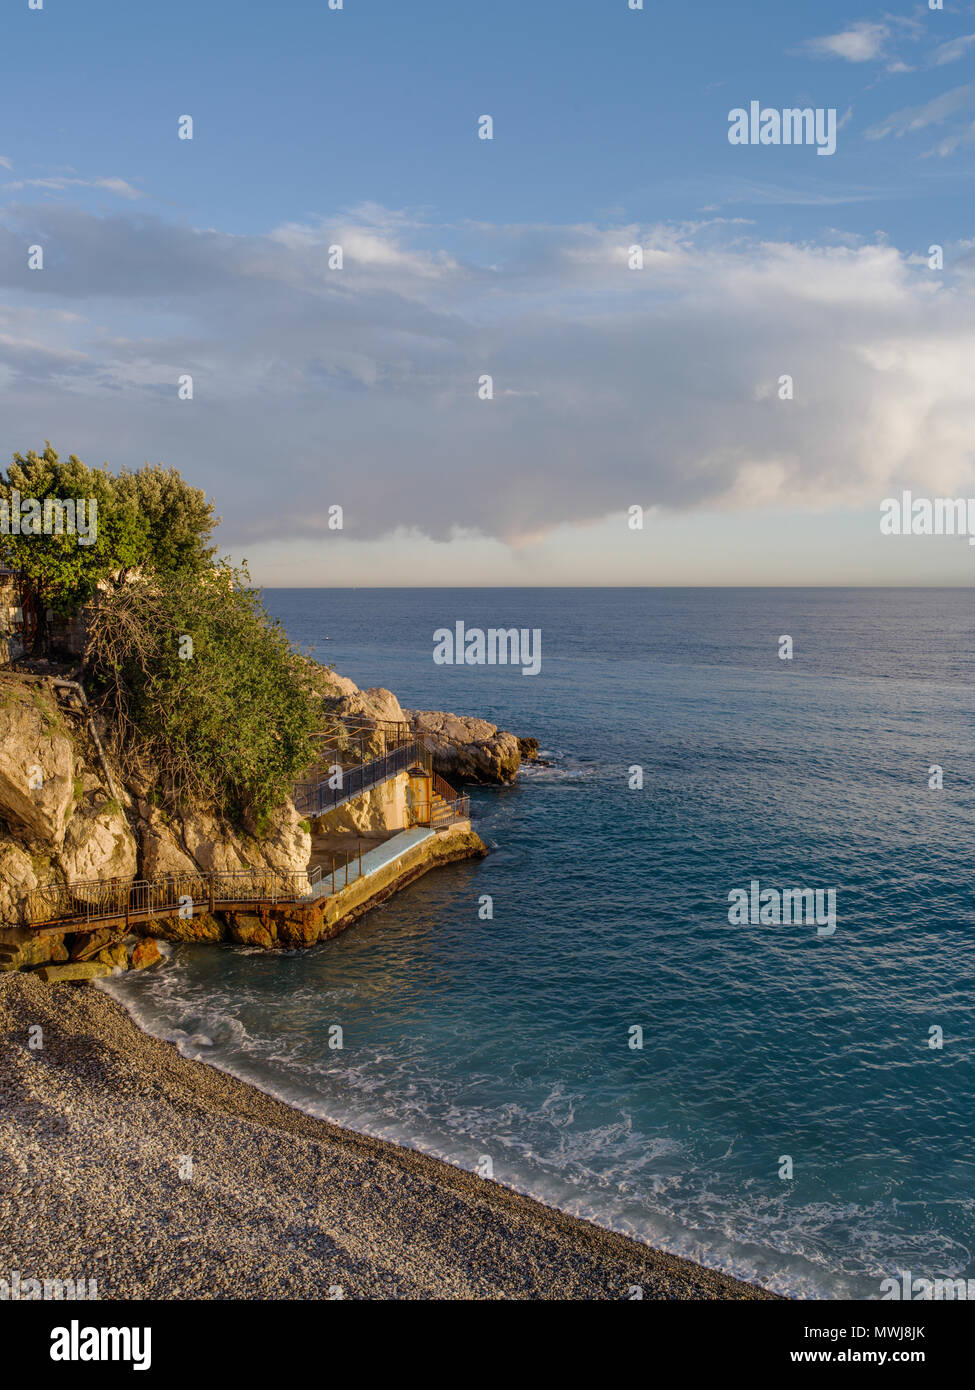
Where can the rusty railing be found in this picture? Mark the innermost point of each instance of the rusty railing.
(91, 901)
(315, 798)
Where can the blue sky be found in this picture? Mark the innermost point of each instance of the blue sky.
(358, 127)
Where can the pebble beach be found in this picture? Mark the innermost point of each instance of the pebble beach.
(160, 1177)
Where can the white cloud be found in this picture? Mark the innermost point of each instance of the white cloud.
(121, 187)
(951, 143)
(952, 51)
(934, 112)
(612, 386)
(861, 43)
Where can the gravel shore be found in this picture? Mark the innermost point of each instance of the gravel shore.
(96, 1125)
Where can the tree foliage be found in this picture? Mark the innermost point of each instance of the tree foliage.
(177, 519)
(64, 572)
(149, 520)
(205, 687)
(206, 697)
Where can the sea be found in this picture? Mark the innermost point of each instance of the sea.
(577, 1014)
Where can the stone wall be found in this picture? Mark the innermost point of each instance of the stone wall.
(383, 808)
(60, 822)
(11, 644)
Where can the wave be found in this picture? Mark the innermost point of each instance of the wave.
(652, 1188)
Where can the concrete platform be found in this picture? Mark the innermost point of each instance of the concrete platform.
(377, 859)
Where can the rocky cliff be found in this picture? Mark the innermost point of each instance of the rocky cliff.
(60, 822)
(67, 814)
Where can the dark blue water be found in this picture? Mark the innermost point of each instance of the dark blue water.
(510, 1038)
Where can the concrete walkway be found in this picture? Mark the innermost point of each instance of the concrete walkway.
(377, 858)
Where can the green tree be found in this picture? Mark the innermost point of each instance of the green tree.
(178, 519)
(150, 520)
(65, 569)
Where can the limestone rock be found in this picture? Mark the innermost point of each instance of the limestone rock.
(90, 970)
(368, 714)
(99, 844)
(145, 954)
(383, 704)
(467, 749)
(375, 703)
(162, 853)
(214, 847)
(115, 956)
(21, 949)
(202, 927)
(297, 929)
(248, 930)
(87, 944)
(381, 808)
(34, 748)
(284, 844)
(17, 882)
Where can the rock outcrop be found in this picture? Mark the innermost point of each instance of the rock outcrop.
(161, 849)
(146, 953)
(99, 843)
(467, 749)
(194, 842)
(283, 843)
(20, 949)
(214, 848)
(374, 703)
(66, 816)
(17, 881)
(36, 765)
(59, 823)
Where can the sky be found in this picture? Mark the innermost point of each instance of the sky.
(612, 387)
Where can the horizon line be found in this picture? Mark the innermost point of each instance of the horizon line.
(414, 588)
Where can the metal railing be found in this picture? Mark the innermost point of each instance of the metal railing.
(358, 739)
(343, 869)
(85, 904)
(315, 798)
(402, 749)
(443, 808)
(116, 900)
(442, 788)
(448, 811)
(447, 806)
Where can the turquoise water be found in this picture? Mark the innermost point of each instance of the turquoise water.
(509, 1038)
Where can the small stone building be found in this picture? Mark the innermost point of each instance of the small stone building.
(11, 617)
(19, 618)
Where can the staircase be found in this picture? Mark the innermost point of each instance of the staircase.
(315, 798)
(445, 805)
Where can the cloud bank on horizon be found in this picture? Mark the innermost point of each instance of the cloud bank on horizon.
(612, 385)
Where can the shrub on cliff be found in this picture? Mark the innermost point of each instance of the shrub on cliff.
(204, 689)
